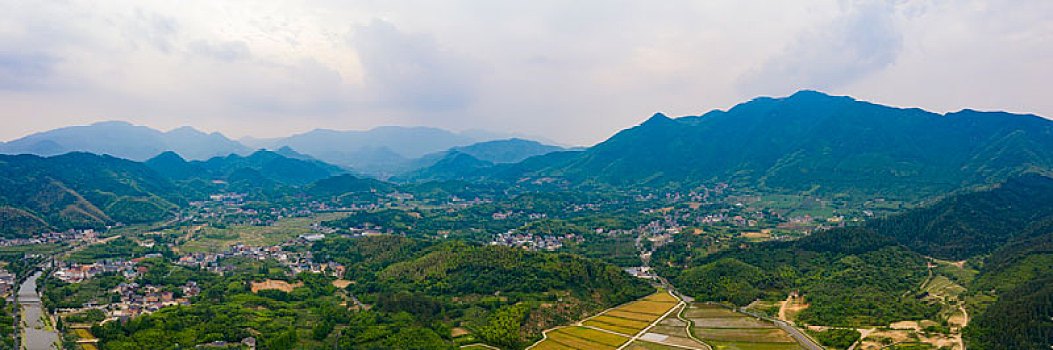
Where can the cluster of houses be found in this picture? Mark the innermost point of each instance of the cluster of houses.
(296, 261)
(137, 300)
(7, 282)
(71, 272)
(78, 236)
(533, 242)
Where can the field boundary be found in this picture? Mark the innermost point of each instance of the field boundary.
(680, 302)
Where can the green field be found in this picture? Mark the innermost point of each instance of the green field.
(46, 249)
(209, 238)
(725, 329)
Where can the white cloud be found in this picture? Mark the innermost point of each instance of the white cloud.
(861, 41)
(573, 71)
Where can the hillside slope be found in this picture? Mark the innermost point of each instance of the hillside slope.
(79, 190)
(814, 143)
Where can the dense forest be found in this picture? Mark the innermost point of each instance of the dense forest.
(851, 277)
(969, 224)
(506, 296)
(79, 190)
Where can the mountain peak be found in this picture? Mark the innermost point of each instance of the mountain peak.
(657, 118)
(167, 156)
(185, 130)
(814, 95)
(112, 123)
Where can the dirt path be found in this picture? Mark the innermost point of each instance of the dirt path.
(782, 308)
(863, 333)
(688, 324)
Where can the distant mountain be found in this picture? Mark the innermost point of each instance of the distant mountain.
(335, 146)
(811, 142)
(79, 190)
(454, 165)
(474, 160)
(506, 151)
(390, 150)
(124, 140)
(259, 165)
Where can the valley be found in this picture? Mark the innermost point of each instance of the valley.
(623, 245)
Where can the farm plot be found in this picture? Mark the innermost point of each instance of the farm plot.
(633, 317)
(580, 338)
(612, 328)
(725, 329)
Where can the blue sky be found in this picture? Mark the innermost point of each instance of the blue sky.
(572, 71)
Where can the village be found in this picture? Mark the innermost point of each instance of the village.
(136, 299)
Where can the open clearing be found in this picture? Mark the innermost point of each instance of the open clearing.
(207, 238)
(275, 284)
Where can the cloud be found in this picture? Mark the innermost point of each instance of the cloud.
(412, 70)
(573, 71)
(25, 71)
(860, 42)
(223, 51)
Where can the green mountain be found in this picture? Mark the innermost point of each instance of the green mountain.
(1019, 278)
(473, 161)
(810, 142)
(453, 166)
(79, 190)
(124, 140)
(261, 167)
(969, 224)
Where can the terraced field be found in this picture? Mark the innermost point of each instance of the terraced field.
(633, 317)
(725, 329)
(612, 328)
(577, 337)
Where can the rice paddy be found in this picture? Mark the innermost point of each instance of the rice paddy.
(612, 328)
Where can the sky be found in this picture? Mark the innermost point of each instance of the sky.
(571, 71)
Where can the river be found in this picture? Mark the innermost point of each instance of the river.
(37, 336)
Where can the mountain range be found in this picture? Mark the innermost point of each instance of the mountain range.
(382, 151)
(124, 140)
(79, 190)
(809, 142)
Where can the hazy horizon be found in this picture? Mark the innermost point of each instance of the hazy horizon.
(575, 73)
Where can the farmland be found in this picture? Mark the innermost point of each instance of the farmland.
(611, 328)
(725, 329)
(207, 238)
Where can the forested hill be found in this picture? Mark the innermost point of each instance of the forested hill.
(79, 190)
(268, 165)
(965, 225)
(507, 296)
(1020, 277)
(811, 142)
(851, 277)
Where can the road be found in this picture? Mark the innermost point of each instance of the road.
(655, 323)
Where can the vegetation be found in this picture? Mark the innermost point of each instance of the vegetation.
(836, 338)
(850, 276)
(970, 224)
(79, 190)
